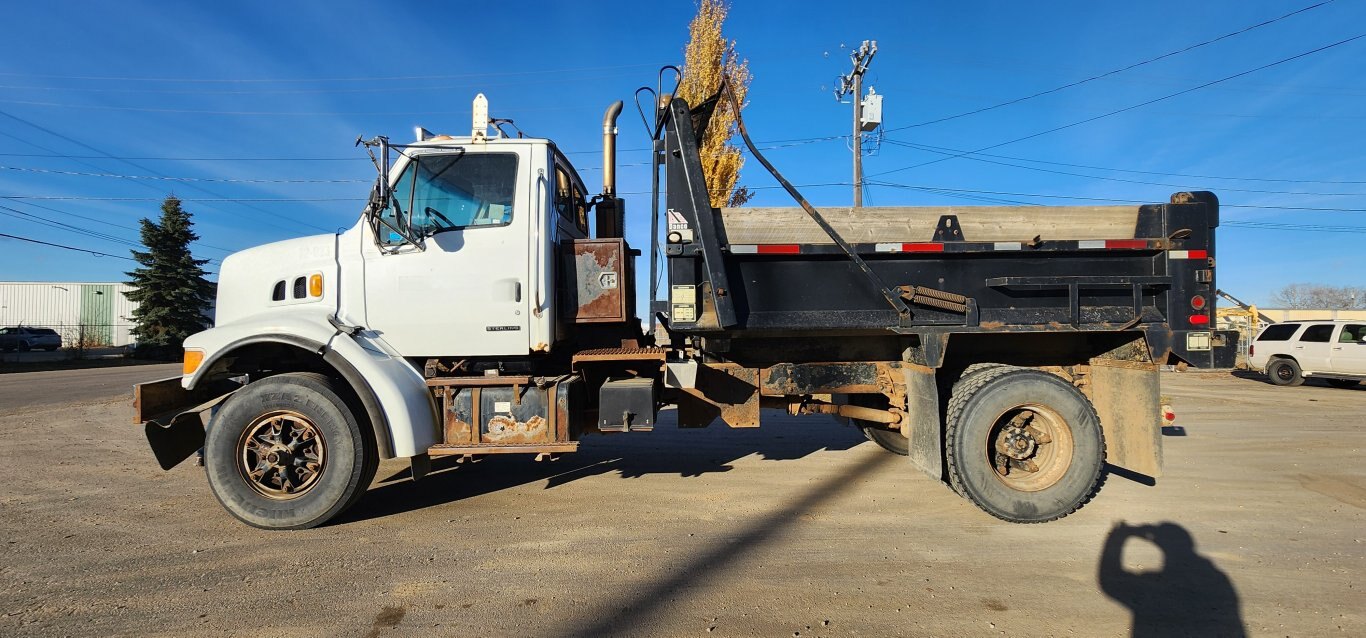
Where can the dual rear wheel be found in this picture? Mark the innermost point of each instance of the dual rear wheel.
(1022, 444)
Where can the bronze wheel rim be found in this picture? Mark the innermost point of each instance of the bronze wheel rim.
(282, 454)
(1030, 447)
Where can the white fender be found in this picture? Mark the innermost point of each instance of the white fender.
(404, 403)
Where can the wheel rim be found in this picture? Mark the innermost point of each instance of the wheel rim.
(282, 454)
(1030, 447)
(1283, 372)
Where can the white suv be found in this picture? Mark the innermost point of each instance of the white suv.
(1331, 350)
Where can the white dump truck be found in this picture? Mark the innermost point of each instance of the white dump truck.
(483, 303)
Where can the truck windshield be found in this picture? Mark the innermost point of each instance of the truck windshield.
(454, 191)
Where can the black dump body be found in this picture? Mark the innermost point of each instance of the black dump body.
(738, 274)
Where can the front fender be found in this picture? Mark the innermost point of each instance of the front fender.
(394, 393)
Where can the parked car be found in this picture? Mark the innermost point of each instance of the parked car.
(1292, 351)
(23, 338)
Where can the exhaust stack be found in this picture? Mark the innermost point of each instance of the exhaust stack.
(609, 149)
(610, 210)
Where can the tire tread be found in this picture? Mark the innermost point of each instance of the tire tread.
(963, 390)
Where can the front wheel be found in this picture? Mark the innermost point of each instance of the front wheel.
(1022, 444)
(287, 452)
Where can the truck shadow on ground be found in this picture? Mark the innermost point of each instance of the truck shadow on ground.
(1188, 596)
(666, 450)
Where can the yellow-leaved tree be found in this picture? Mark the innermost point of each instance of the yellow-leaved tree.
(708, 57)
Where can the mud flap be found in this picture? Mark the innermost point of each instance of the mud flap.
(1127, 399)
(923, 429)
(172, 417)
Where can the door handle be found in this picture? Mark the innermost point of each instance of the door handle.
(1337, 347)
(517, 292)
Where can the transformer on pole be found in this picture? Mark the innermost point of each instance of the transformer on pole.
(853, 83)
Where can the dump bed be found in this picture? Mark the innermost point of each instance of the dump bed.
(741, 273)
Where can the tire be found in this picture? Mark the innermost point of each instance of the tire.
(1284, 372)
(1343, 383)
(1021, 406)
(891, 440)
(299, 421)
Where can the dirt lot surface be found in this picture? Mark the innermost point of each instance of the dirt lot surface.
(800, 528)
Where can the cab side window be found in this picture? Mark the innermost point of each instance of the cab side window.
(1321, 333)
(564, 197)
(580, 210)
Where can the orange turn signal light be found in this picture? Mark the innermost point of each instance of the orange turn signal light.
(192, 360)
(315, 285)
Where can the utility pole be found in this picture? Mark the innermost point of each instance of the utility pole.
(853, 83)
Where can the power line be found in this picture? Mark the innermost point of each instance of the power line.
(81, 250)
(969, 155)
(148, 109)
(109, 223)
(1108, 199)
(269, 221)
(225, 180)
(1112, 72)
(1252, 225)
(344, 79)
(188, 199)
(56, 155)
(1130, 108)
(64, 227)
(936, 149)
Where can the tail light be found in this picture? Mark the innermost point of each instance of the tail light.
(1251, 349)
(1198, 302)
(1199, 320)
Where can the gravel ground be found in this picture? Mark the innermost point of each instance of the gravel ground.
(800, 528)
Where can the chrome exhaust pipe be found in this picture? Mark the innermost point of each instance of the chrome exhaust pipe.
(609, 149)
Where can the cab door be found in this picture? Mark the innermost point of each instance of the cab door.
(1348, 352)
(464, 291)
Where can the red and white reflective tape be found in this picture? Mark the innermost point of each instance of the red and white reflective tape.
(1113, 244)
(765, 249)
(929, 247)
(1187, 254)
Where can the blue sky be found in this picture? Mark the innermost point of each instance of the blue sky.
(266, 98)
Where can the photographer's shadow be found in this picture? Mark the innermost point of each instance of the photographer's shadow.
(1188, 596)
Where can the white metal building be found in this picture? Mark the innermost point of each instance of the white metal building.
(94, 312)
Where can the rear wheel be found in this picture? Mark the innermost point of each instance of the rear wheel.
(1284, 372)
(1022, 444)
(287, 452)
(888, 439)
(1343, 383)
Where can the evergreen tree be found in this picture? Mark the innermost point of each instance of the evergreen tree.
(169, 287)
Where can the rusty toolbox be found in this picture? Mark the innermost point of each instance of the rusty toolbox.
(596, 286)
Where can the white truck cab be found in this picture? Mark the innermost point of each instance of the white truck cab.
(1292, 351)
